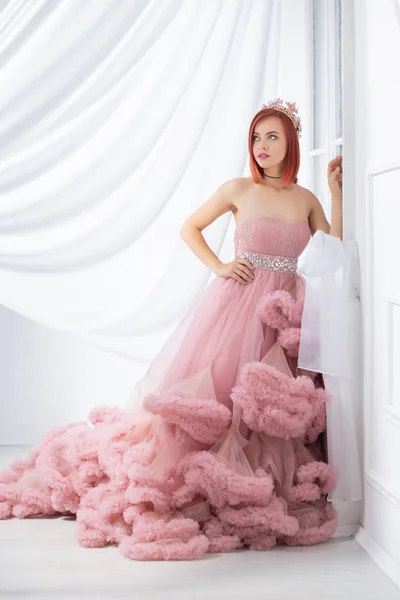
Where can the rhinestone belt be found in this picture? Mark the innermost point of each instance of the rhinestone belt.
(271, 262)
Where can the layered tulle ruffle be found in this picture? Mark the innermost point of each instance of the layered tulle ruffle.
(187, 474)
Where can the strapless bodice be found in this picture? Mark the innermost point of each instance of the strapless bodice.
(268, 235)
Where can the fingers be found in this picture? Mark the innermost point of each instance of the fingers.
(239, 279)
(243, 270)
(243, 261)
(246, 269)
(246, 263)
(245, 274)
(239, 276)
(335, 171)
(334, 163)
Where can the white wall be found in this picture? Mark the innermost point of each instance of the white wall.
(48, 378)
(377, 230)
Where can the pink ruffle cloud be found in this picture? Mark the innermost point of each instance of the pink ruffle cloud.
(175, 481)
(289, 339)
(204, 419)
(275, 403)
(280, 310)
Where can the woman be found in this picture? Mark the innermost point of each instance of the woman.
(222, 443)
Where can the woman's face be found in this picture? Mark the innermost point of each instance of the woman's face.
(269, 138)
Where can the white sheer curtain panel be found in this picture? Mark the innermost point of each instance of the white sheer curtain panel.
(117, 120)
(331, 344)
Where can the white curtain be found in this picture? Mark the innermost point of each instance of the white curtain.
(117, 120)
(331, 344)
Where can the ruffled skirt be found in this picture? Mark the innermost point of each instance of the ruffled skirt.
(222, 446)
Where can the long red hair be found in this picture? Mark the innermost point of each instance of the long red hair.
(291, 162)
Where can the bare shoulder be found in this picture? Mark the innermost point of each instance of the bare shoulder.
(247, 181)
(221, 201)
(240, 187)
(235, 189)
(237, 184)
(311, 201)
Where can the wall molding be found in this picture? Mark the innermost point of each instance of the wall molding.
(382, 487)
(368, 308)
(392, 411)
(393, 415)
(378, 555)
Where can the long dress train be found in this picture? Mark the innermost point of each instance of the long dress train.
(226, 451)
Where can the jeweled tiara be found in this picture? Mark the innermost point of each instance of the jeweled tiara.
(290, 110)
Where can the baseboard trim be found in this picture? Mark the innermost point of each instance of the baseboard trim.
(378, 555)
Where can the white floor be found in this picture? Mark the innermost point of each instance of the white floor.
(41, 558)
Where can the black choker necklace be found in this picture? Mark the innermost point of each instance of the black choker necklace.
(272, 177)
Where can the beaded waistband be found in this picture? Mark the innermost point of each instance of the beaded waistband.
(271, 262)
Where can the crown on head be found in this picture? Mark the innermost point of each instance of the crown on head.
(290, 110)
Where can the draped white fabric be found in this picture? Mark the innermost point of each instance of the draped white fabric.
(330, 344)
(118, 119)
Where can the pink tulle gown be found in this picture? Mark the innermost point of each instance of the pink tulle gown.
(227, 448)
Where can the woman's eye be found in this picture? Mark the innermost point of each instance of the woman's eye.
(272, 135)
